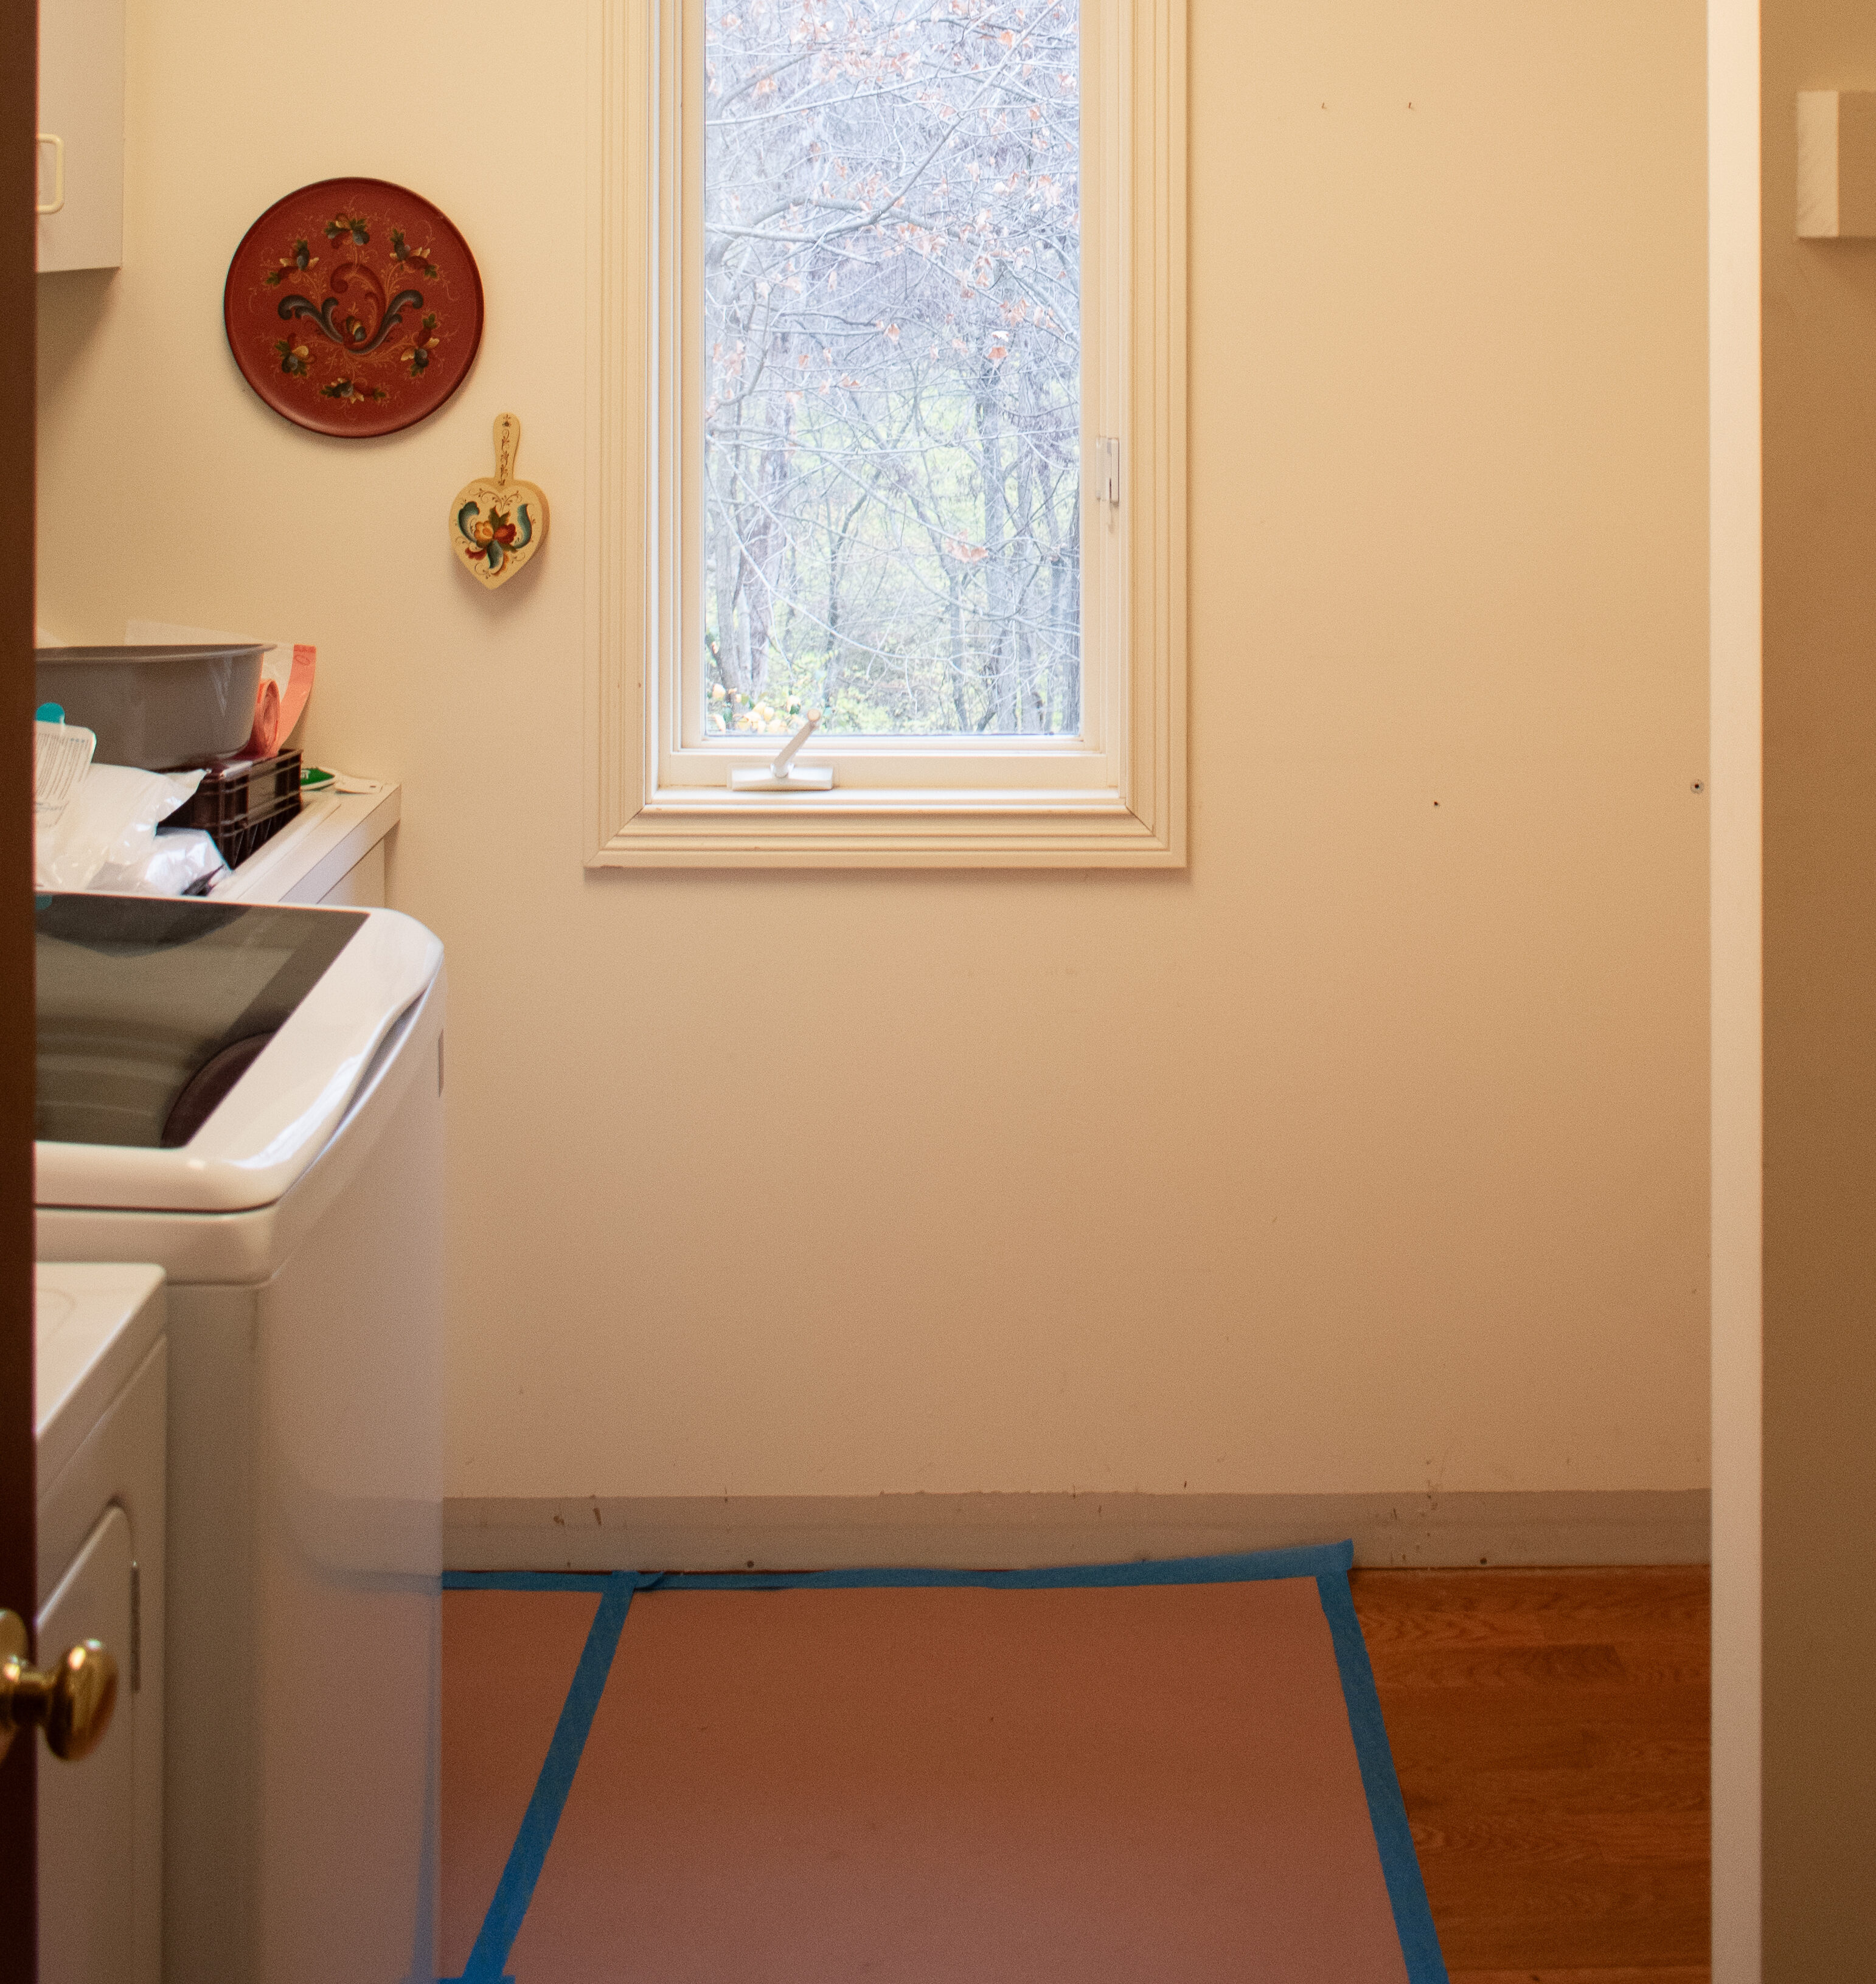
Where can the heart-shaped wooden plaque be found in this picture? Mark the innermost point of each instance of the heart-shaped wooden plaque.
(496, 527)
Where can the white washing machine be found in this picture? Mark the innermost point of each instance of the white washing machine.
(101, 1383)
(250, 1095)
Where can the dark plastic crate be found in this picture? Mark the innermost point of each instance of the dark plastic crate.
(241, 806)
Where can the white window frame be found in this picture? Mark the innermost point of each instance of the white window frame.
(658, 788)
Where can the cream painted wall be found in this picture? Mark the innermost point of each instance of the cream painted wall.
(1370, 1152)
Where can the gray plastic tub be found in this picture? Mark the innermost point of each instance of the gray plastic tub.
(155, 707)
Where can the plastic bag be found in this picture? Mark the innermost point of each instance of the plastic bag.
(183, 859)
(111, 818)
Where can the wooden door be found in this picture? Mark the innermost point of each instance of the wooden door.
(18, 72)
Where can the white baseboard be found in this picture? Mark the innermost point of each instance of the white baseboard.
(1013, 1532)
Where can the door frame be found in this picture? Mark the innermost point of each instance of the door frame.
(19, 68)
(1734, 784)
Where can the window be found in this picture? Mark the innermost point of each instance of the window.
(888, 382)
(892, 369)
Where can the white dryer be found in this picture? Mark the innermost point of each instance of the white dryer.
(250, 1095)
(100, 1386)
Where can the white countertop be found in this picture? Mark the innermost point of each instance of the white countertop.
(333, 833)
(94, 1323)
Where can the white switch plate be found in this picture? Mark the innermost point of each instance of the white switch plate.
(1837, 165)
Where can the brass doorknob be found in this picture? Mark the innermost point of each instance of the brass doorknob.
(71, 1701)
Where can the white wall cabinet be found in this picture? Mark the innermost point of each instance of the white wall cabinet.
(81, 151)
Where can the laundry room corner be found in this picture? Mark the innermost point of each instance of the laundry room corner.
(895, 886)
(173, 495)
(1358, 1166)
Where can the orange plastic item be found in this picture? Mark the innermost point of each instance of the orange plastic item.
(265, 739)
(276, 712)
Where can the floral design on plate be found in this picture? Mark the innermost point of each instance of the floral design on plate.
(353, 307)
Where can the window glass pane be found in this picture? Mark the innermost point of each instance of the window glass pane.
(892, 365)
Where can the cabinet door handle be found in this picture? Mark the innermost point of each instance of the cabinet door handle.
(71, 1701)
(58, 173)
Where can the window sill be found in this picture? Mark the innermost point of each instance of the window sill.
(858, 829)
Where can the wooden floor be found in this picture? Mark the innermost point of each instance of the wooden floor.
(1550, 1730)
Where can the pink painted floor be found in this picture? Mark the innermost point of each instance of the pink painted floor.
(907, 1785)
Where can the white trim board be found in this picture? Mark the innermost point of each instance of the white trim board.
(1735, 566)
(1563, 1526)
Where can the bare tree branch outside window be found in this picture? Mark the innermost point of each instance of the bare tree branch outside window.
(892, 347)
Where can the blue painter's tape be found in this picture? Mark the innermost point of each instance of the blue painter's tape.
(489, 1959)
(1328, 1563)
(1307, 1561)
(1400, 1865)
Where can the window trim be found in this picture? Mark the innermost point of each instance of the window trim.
(987, 801)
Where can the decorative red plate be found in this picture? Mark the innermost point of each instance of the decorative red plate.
(353, 307)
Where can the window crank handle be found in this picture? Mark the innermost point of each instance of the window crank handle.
(786, 756)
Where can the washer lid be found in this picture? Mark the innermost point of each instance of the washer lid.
(195, 1057)
(93, 1324)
